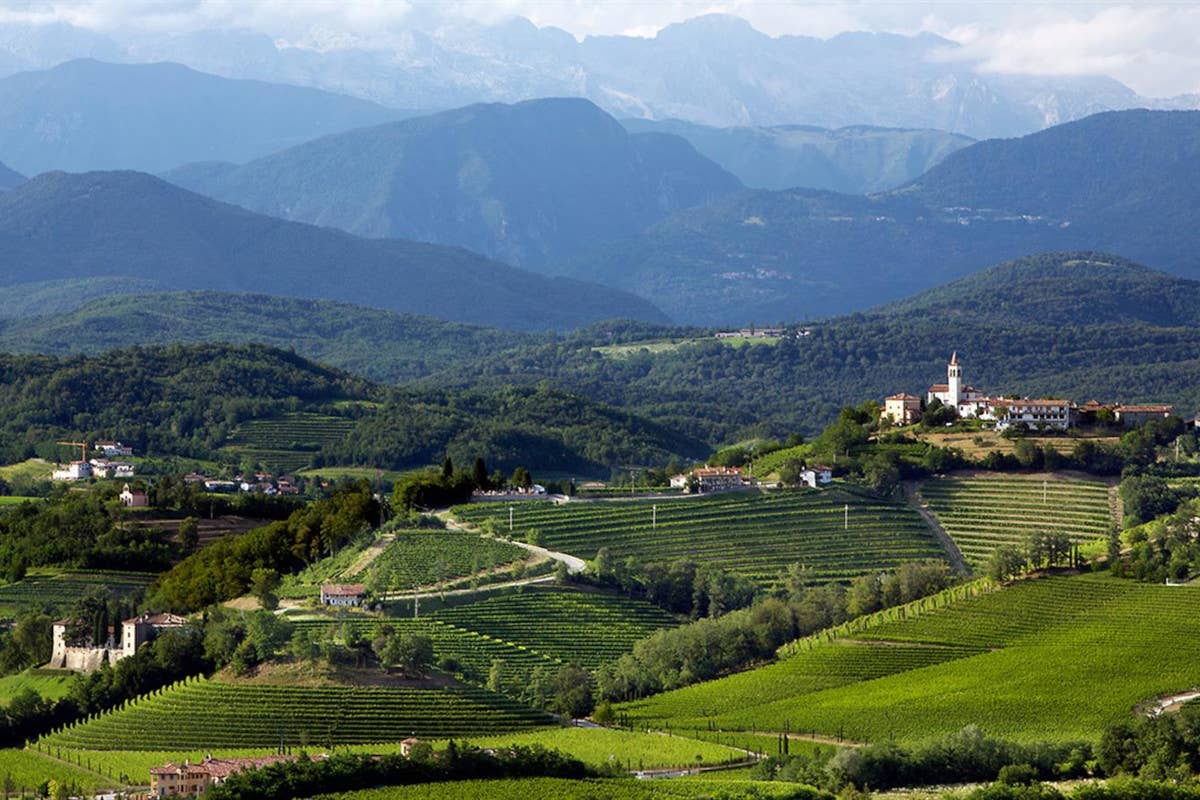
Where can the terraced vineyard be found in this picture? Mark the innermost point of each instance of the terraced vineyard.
(981, 514)
(591, 789)
(1050, 659)
(754, 534)
(58, 591)
(588, 629)
(424, 557)
(286, 443)
(212, 714)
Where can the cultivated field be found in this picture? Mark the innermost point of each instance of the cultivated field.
(213, 714)
(423, 557)
(1049, 659)
(751, 533)
(983, 513)
(557, 789)
(60, 590)
(286, 443)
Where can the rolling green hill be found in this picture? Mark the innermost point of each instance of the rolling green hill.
(1052, 659)
(381, 345)
(131, 225)
(748, 533)
(527, 183)
(1120, 182)
(853, 160)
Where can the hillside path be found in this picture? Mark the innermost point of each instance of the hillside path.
(574, 564)
(913, 494)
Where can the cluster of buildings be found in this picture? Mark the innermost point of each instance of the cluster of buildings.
(192, 780)
(100, 466)
(759, 333)
(723, 479)
(91, 656)
(260, 482)
(1005, 412)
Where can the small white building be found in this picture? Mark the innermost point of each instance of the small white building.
(1055, 414)
(133, 499)
(113, 449)
(75, 471)
(342, 594)
(812, 477)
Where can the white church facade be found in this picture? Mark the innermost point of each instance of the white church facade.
(1005, 411)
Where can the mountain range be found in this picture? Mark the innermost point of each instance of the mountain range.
(9, 178)
(714, 69)
(1120, 181)
(88, 115)
(529, 184)
(854, 160)
(131, 225)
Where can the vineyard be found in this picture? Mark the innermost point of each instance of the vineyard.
(286, 443)
(981, 514)
(631, 749)
(588, 629)
(836, 534)
(423, 557)
(55, 591)
(1049, 659)
(211, 714)
(610, 789)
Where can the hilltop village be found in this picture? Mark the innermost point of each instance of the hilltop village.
(1006, 412)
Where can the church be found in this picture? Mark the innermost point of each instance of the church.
(1005, 411)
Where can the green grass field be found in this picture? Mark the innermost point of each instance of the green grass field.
(981, 514)
(750, 533)
(213, 714)
(55, 591)
(33, 469)
(634, 750)
(51, 684)
(594, 789)
(28, 769)
(1050, 659)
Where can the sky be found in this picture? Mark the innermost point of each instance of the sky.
(1154, 47)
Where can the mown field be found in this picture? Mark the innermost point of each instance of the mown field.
(751, 533)
(286, 443)
(556, 789)
(205, 713)
(983, 513)
(1049, 659)
(55, 591)
(51, 684)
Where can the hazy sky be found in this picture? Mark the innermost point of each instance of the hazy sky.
(1154, 47)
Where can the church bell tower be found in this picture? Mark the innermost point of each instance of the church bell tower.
(954, 381)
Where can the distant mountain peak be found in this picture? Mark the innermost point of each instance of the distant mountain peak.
(10, 178)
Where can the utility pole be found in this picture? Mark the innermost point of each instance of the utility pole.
(1044, 492)
(510, 519)
(654, 517)
(847, 516)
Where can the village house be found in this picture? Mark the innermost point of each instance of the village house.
(815, 476)
(112, 449)
(342, 594)
(103, 468)
(1133, 416)
(902, 408)
(131, 498)
(75, 471)
(968, 401)
(718, 479)
(191, 780)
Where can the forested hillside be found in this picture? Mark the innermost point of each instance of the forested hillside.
(853, 160)
(381, 345)
(86, 115)
(132, 225)
(528, 183)
(210, 402)
(1122, 182)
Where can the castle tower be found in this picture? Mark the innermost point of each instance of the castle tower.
(954, 381)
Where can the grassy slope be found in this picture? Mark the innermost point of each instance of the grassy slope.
(753, 534)
(553, 789)
(52, 685)
(1051, 659)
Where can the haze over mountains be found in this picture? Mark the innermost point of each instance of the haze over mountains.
(1121, 181)
(132, 225)
(530, 183)
(854, 160)
(715, 70)
(88, 115)
(9, 178)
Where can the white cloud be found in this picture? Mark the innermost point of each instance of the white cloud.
(1153, 47)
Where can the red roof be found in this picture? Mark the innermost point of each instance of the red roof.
(343, 589)
(904, 396)
(1160, 409)
(220, 768)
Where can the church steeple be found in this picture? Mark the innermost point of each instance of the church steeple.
(954, 380)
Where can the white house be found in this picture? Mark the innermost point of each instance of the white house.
(112, 449)
(812, 477)
(133, 499)
(342, 594)
(971, 402)
(75, 471)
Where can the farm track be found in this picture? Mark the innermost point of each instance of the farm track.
(913, 493)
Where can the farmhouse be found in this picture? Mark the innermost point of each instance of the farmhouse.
(112, 449)
(191, 780)
(812, 477)
(902, 408)
(75, 471)
(342, 594)
(1132, 416)
(718, 479)
(103, 468)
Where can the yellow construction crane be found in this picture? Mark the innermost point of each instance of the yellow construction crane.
(82, 448)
